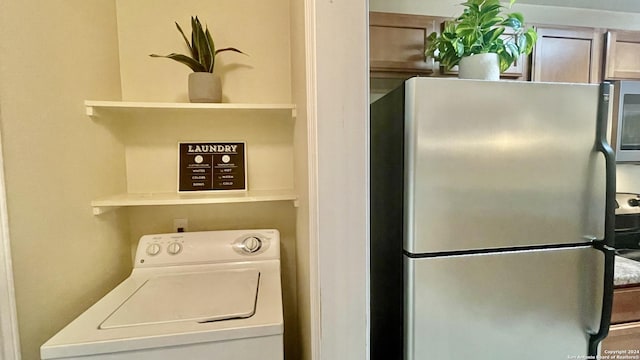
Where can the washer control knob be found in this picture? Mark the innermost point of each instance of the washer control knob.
(251, 244)
(174, 248)
(153, 249)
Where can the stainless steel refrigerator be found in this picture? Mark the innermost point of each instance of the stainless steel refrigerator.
(492, 215)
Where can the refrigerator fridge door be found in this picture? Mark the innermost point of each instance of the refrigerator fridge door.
(526, 305)
(500, 165)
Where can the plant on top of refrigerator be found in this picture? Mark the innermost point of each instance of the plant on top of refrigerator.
(480, 30)
(201, 48)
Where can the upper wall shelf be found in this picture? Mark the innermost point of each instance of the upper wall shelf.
(103, 205)
(144, 110)
(96, 108)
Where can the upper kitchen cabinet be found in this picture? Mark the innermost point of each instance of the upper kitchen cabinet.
(569, 54)
(397, 44)
(622, 58)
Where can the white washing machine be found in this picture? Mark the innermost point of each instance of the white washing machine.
(191, 296)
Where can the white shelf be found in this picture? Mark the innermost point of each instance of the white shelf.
(118, 110)
(95, 108)
(100, 206)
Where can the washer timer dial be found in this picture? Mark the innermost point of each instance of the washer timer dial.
(251, 244)
(174, 248)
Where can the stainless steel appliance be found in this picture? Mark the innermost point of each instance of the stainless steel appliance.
(492, 220)
(627, 235)
(626, 125)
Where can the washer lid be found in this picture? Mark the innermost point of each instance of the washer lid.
(199, 297)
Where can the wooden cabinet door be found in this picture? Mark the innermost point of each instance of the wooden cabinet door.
(626, 305)
(567, 55)
(622, 58)
(397, 44)
(623, 337)
(625, 315)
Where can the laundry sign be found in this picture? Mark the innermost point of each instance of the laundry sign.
(212, 166)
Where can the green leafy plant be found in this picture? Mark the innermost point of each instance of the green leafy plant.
(202, 49)
(477, 31)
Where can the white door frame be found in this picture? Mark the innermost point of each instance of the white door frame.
(338, 124)
(9, 339)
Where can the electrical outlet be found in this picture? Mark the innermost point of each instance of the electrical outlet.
(180, 225)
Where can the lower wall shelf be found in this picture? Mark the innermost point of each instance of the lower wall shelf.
(100, 206)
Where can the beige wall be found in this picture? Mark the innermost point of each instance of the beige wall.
(55, 54)
(259, 28)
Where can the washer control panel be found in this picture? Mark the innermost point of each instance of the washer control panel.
(207, 247)
(251, 244)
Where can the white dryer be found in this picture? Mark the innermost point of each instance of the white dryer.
(191, 296)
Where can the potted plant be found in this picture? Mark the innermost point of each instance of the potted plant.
(203, 85)
(473, 40)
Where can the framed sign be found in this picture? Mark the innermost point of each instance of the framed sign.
(212, 166)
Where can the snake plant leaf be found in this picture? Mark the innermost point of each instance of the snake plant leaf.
(205, 56)
(185, 39)
(196, 35)
(201, 47)
(230, 49)
(194, 42)
(210, 50)
(184, 59)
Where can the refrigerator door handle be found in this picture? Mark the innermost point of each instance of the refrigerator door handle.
(603, 147)
(605, 245)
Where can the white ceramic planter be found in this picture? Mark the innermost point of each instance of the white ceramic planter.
(480, 66)
(204, 87)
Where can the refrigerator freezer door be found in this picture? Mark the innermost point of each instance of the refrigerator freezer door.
(526, 305)
(500, 165)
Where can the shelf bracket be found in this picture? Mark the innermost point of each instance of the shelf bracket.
(90, 111)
